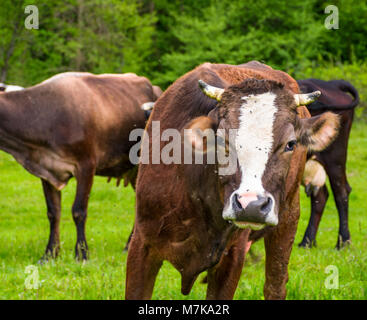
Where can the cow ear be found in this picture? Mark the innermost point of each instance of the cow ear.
(200, 134)
(318, 132)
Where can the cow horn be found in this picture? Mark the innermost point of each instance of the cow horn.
(306, 98)
(147, 106)
(210, 91)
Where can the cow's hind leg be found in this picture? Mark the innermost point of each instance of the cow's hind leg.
(84, 179)
(341, 190)
(318, 203)
(223, 278)
(141, 270)
(53, 202)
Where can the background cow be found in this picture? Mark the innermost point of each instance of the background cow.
(341, 98)
(74, 125)
(193, 217)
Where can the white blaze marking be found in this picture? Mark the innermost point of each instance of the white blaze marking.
(255, 139)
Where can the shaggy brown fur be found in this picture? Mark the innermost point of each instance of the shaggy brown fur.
(74, 124)
(179, 207)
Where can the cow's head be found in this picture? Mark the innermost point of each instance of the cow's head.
(268, 131)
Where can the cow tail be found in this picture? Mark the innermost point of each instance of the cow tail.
(347, 87)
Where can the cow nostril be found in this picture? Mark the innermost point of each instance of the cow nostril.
(236, 203)
(267, 206)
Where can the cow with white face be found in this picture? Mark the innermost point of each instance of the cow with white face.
(268, 130)
(198, 216)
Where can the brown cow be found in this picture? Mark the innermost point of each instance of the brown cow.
(74, 125)
(196, 218)
(341, 98)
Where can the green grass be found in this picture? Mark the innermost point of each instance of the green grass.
(24, 233)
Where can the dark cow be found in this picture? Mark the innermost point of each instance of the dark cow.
(74, 125)
(198, 219)
(341, 98)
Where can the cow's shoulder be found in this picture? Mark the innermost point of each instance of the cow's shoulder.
(124, 77)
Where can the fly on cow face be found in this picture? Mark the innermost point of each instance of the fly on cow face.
(264, 114)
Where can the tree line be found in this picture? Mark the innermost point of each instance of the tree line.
(163, 39)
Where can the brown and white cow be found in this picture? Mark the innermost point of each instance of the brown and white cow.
(74, 125)
(197, 219)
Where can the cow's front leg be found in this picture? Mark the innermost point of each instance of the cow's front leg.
(53, 202)
(142, 268)
(223, 278)
(278, 247)
(84, 179)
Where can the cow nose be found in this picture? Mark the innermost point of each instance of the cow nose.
(241, 201)
(250, 207)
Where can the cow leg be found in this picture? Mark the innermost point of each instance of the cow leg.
(341, 190)
(53, 202)
(317, 208)
(278, 247)
(84, 179)
(223, 278)
(335, 158)
(132, 181)
(141, 270)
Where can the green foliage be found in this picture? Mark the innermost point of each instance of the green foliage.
(163, 39)
(85, 35)
(285, 35)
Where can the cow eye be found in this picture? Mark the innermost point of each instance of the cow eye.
(290, 145)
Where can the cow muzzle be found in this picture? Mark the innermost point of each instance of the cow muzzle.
(251, 210)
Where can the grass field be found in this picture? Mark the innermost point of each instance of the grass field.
(24, 233)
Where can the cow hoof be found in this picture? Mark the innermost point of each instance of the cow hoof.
(81, 252)
(81, 258)
(307, 244)
(45, 259)
(49, 255)
(42, 261)
(342, 244)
